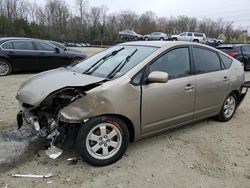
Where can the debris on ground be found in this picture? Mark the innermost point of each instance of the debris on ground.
(36, 175)
(53, 152)
(73, 160)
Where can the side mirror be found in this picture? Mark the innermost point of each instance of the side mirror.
(158, 77)
(57, 50)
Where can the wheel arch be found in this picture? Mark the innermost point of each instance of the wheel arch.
(128, 123)
(237, 93)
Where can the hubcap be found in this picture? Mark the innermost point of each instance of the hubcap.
(104, 141)
(4, 68)
(229, 107)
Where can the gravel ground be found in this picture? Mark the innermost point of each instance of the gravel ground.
(204, 154)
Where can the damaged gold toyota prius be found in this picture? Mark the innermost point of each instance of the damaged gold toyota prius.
(131, 91)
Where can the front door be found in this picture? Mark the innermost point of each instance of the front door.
(168, 104)
(49, 58)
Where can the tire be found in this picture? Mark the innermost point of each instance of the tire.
(195, 40)
(75, 61)
(5, 67)
(161, 39)
(146, 39)
(101, 134)
(175, 39)
(228, 108)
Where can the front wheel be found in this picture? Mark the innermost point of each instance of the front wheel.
(228, 108)
(102, 140)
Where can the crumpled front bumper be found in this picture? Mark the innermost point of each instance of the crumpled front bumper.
(28, 118)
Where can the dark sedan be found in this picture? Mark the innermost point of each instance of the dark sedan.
(240, 52)
(26, 54)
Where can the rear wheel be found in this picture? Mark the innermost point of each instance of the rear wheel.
(161, 39)
(175, 39)
(196, 40)
(75, 61)
(228, 108)
(146, 38)
(5, 67)
(103, 140)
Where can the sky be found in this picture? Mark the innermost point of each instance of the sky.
(237, 11)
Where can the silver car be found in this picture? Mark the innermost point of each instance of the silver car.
(129, 92)
(156, 36)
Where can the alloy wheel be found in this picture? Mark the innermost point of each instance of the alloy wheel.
(104, 141)
(4, 68)
(229, 106)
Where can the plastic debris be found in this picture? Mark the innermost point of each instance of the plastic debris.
(73, 160)
(53, 152)
(36, 175)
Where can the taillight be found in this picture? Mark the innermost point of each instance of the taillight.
(233, 54)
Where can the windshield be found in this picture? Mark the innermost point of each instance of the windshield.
(113, 62)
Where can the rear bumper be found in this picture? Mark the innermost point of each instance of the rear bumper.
(244, 90)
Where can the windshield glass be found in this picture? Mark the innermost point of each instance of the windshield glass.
(118, 60)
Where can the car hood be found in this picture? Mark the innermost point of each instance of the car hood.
(37, 88)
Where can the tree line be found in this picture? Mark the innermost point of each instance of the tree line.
(55, 20)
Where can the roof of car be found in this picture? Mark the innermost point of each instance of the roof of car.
(4, 39)
(231, 45)
(159, 44)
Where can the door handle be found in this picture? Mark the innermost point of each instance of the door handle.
(189, 87)
(225, 79)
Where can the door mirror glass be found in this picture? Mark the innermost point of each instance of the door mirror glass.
(157, 77)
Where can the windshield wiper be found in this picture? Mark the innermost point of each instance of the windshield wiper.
(98, 64)
(121, 65)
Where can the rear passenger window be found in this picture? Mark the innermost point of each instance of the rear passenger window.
(206, 60)
(176, 63)
(7, 46)
(23, 45)
(246, 49)
(198, 34)
(226, 60)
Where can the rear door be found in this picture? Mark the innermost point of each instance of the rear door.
(212, 82)
(168, 104)
(23, 55)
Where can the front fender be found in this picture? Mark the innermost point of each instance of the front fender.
(85, 108)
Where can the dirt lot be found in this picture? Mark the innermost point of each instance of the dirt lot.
(204, 154)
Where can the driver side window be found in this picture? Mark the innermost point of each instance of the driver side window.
(175, 62)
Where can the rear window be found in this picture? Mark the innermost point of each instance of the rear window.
(7, 46)
(198, 34)
(229, 49)
(226, 60)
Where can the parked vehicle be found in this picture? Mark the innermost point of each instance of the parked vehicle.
(240, 52)
(26, 54)
(214, 42)
(129, 35)
(62, 47)
(129, 92)
(156, 36)
(190, 36)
